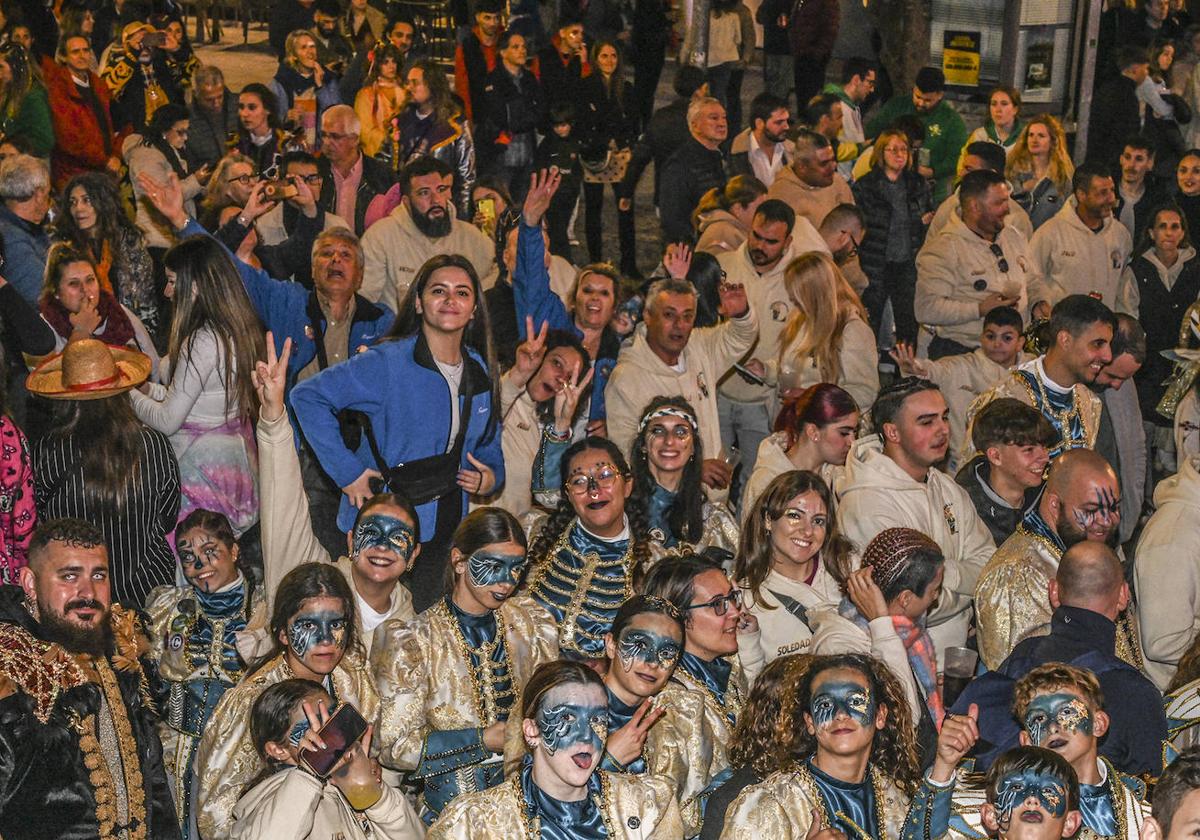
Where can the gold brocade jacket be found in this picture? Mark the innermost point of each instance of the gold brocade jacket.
(634, 807)
(1012, 600)
(721, 530)
(780, 807)
(425, 682)
(689, 746)
(227, 760)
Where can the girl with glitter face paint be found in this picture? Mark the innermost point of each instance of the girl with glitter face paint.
(855, 762)
(561, 792)
(315, 636)
(448, 678)
(201, 638)
(643, 648)
(666, 461)
(288, 800)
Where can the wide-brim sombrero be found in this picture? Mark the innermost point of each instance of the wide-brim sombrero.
(89, 369)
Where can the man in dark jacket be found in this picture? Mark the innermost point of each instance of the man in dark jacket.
(1120, 112)
(79, 748)
(563, 63)
(352, 180)
(1139, 191)
(213, 117)
(778, 72)
(666, 132)
(1088, 593)
(695, 168)
(476, 55)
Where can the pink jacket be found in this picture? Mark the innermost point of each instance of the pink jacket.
(17, 514)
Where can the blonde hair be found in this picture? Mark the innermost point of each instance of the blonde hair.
(1061, 168)
(881, 143)
(291, 56)
(824, 304)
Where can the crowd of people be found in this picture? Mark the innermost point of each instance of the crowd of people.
(338, 500)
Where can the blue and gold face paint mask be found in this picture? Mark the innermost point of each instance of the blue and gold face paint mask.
(309, 629)
(1018, 786)
(565, 725)
(1066, 711)
(637, 645)
(832, 698)
(488, 568)
(378, 530)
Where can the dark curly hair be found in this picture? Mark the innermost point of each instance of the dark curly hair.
(111, 219)
(562, 516)
(894, 748)
(686, 515)
(772, 719)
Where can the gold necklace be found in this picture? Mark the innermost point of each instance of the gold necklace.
(483, 679)
(1042, 398)
(813, 792)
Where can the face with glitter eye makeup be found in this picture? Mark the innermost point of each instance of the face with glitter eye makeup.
(568, 735)
(487, 577)
(643, 657)
(383, 544)
(843, 713)
(1061, 720)
(207, 562)
(489, 568)
(317, 635)
(1028, 797)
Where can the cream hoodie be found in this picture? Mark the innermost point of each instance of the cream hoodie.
(876, 494)
(1016, 218)
(952, 264)
(1166, 573)
(394, 251)
(1074, 260)
(772, 461)
(640, 376)
(720, 231)
(812, 203)
(780, 632)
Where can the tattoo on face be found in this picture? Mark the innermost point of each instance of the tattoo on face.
(1066, 711)
(1108, 510)
(378, 530)
(637, 645)
(833, 698)
(1016, 787)
(564, 725)
(309, 629)
(488, 568)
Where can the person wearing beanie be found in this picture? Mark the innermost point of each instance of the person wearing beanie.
(945, 131)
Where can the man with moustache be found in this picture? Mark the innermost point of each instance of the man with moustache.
(79, 755)
(423, 226)
(1082, 501)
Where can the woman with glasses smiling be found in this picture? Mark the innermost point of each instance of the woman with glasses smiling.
(666, 484)
(229, 186)
(897, 205)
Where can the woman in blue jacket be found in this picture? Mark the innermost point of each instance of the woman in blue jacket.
(425, 424)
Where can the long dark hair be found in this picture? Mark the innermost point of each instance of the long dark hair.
(440, 95)
(477, 336)
(163, 120)
(614, 86)
(564, 514)
(108, 437)
(218, 525)
(306, 581)
(754, 550)
(271, 719)
(483, 526)
(209, 295)
(112, 222)
(686, 515)
(894, 748)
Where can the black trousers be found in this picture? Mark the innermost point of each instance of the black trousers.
(648, 59)
(897, 282)
(428, 577)
(593, 202)
(809, 72)
(733, 100)
(558, 221)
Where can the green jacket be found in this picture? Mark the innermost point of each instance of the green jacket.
(32, 122)
(945, 135)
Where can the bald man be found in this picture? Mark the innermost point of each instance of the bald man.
(1089, 596)
(1081, 502)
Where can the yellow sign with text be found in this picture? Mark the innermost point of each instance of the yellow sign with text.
(960, 58)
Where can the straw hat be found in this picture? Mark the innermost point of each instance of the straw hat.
(89, 370)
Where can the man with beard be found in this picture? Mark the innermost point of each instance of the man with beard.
(78, 750)
(745, 405)
(422, 226)
(893, 480)
(1056, 383)
(761, 150)
(1082, 501)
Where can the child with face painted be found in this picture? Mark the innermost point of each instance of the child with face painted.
(855, 762)
(704, 697)
(1029, 793)
(381, 546)
(316, 637)
(201, 638)
(448, 679)
(288, 800)
(643, 648)
(560, 792)
(583, 560)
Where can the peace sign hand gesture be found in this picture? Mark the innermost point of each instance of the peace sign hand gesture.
(567, 399)
(626, 743)
(530, 353)
(270, 378)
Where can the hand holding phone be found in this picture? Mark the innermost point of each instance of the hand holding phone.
(338, 733)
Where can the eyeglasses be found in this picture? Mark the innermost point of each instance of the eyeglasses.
(998, 253)
(311, 180)
(583, 483)
(244, 180)
(855, 244)
(720, 604)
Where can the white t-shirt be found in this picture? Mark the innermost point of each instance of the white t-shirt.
(367, 615)
(453, 376)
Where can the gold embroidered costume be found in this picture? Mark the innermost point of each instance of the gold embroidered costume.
(227, 760)
(721, 530)
(633, 807)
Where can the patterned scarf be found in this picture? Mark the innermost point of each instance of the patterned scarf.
(118, 331)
